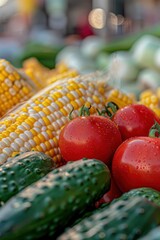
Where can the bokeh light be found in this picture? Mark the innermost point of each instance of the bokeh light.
(97, 18)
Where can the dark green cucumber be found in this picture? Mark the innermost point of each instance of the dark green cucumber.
(49, 205)
(152, 235)
(21, 171)
(145, 192)
(125, 219)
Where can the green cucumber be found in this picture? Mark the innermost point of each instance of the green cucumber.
(52, 203)
(152, 235)
(21, 171)
(125, 219)
(145, 192)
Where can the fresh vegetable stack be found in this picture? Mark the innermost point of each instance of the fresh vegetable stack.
(77, 143)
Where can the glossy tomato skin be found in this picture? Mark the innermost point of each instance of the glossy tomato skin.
(135, 120)
(136, 163)
(90, 137)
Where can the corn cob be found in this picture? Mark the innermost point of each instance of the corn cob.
(14, 87)
(120, 98)
(42, 76)
(37, 123)
(37, 72)
(61, 67)
(33, 63)
(151, 100)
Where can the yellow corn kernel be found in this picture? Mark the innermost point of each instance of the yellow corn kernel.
(51, 152)
(46, 103)
(96, 99)
(70, 96)
(39, 148)
(119, 98)
(60, 104)
(47, 144)
(4, 87)
(16, 75)
(4, 73)
(146, 93)
(38, 108)
(46, 120)
(61, 67)
(2, 77)
(74, 104)
(41, 137)
(33, 131)
(36, 140)
(50, 134)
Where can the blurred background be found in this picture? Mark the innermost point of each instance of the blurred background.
(43, 27)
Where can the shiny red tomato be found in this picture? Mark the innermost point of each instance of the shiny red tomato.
(90, 137)
(136, 163)
(135, 120)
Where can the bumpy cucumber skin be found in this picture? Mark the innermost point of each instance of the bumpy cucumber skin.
(152, 235)
(125, 220)
(49, 205)
(21, 171)
(144, 192)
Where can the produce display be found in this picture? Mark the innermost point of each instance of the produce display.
(79, 156)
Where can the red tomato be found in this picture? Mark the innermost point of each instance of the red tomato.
(90, 137)
(113, 193)
(135, 120)
(136, 163)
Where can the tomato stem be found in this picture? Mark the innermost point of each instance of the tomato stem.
(84, 111)
(110, 109)
(70, 114)
(155, 130)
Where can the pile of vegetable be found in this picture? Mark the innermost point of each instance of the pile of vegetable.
(79, 158)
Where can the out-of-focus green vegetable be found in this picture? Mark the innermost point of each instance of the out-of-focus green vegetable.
(122, 67)
(92, 46)
(144, 50)
(102, 61)
(73, 57)
(149, 78)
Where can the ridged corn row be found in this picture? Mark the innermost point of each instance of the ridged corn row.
(120, 98)
(14, 87)
(36, 124)
(151, 100)
(68, 74)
